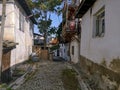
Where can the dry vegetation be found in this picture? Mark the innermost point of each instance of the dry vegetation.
(70, 80)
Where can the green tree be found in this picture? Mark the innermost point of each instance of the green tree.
(59, 31)
(42, 10)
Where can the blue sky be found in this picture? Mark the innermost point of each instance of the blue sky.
(56, 20)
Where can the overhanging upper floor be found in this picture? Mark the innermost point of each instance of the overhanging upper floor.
(83, 7)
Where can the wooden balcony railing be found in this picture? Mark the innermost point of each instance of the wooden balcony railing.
(70, 28)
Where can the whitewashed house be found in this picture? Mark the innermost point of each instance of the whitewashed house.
(67, 51)
(75, 49)
(62, 51)
(100, 39)
(18, 29)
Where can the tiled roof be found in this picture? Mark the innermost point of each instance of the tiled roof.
(54, 41)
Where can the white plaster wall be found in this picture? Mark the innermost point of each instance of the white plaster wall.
(12, 33)
(9, 22)
(9, 33)
(67, 50)
(107, 47)
(24, 39)
(55, 52)
(62, 51)
(75, 57)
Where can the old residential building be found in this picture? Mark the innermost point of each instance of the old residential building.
(100, 44)
(75, 49)
(70, 29)
(18, 30)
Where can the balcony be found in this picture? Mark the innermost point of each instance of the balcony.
(70, 28)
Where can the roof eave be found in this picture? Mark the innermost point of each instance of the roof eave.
(27, 10)
(83, 7)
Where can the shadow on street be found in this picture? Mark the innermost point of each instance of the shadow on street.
(59, 59)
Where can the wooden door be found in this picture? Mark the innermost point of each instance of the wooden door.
(6, 74)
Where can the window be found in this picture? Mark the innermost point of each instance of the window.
(99, 23)
(72, 50)
(21, 22)
(31, 29)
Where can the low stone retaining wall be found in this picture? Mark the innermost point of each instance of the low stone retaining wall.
(98, 77)
(91, 67)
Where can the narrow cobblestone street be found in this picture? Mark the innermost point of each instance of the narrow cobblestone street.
(46, 77)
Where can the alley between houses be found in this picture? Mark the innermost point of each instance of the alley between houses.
(60, 75)
(46, 77)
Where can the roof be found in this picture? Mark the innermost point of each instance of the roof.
(24, 5)
(83, 7)
(37, 34)
(54, 41)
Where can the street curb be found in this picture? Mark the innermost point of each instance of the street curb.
(14, 85)
(83, 85)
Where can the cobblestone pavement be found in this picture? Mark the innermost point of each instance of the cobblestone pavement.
(47, 77)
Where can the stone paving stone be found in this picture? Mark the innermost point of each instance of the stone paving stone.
(47, 77)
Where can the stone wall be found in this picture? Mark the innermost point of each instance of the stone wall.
(90, 68)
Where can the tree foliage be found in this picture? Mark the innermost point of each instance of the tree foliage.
(41, 7)
(42, 10)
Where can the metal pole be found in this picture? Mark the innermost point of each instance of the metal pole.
(2, 32)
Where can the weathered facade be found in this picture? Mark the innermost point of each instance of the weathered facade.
(100, 46)
(18, 29)
(70, 27)
(62, 51)
(75, 49)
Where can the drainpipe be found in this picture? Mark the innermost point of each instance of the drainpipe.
(2, 32)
